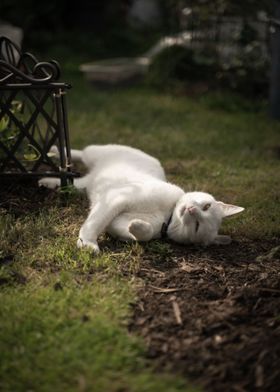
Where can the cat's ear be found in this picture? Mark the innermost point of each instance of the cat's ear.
(222, 240)
(229, 209)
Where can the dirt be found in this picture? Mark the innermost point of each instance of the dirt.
(209, 314)
(24, 196)
(213, 315)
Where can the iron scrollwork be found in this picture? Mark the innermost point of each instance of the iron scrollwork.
(17, 67)
(33, 116)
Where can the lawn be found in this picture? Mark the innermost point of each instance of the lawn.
(64, 312)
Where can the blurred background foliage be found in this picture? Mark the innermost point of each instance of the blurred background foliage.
(101, 16)
(98, 29)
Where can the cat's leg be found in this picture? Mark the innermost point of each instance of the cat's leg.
(76, 155)
(49, 182)
(141, 230)
(53, 183)
(126, 229)
(99, 218)
(119, 229)
(88, 156)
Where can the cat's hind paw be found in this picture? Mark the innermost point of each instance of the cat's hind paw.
(53, 152)
(50, 183)
(141, 230)
(88, 244)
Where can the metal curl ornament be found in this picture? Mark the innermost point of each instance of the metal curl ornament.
(17, 67)
(38, 122)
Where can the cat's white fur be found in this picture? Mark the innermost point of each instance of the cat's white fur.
(131, 199)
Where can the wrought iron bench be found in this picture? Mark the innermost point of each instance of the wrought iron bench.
(33, 117)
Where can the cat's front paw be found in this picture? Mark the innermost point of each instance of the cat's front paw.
(88, 244)
(50, 183)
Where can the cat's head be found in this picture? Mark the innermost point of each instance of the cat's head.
(197, 218)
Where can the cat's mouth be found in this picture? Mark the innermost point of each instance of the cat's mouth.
(196, 226)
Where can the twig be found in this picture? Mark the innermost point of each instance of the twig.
(177, 311)
(153, 270)
(166, 290)
(270, 290)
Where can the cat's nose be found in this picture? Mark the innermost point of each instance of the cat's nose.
(191, 210)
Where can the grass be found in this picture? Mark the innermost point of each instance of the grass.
(64, 313)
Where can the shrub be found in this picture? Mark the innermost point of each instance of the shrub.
(246, 74)
(178, 63)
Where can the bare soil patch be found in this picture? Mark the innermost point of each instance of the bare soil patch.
(213, 314)
(23, 196)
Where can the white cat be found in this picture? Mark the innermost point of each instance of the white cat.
(131, 199)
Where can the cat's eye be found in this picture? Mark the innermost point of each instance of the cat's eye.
(206, 207)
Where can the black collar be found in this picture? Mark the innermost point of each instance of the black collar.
(165, 226)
